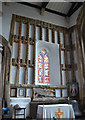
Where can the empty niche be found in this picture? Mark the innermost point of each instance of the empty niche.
(58, 93)
(75, 57)
(38, 33)
(13, 74)
(64, 93)
(23, 51)
(31, 32)
(15, 50)
(29, 92)
(50, 35)
(16, 31)
(62, 57)
(67, 39)
(56, 37)
(68, 57)
(30, 75)
(31, 52)
(73, 42)
(21, 92)
(61, 38)
(22, 75)
(24, 30)
(63, 78)
(44, 34)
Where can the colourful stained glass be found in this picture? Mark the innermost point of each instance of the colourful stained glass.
(43, 52)
(46, 66)
(40, 79)
(46, 79)
(47, 73)
(43, 67)
(40, 65)
(46, 59)
(40, 72)
(46, 69)
(40, 69)
(40, 58)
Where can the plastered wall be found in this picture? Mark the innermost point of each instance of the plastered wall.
(15, 8)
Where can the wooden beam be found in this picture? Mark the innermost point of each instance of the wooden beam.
(66, 61)
(12, 30)
(1, 13)
(79, 4)
(70, 10)
(38, 86)
(60, 58)
(53, 35)
(19, 52)
(29, 4)
(41, 36)
(44, 4)
(27, 55)
(72, 57)
(46, 9)
(34, 52)
(48, 33)
(55, 12)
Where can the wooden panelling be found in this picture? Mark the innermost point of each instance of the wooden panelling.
(32, 41)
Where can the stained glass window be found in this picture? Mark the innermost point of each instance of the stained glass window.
(43, 67)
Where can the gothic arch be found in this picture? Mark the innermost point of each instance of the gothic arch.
(5, 55)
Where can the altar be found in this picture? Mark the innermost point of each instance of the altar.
(55, 111)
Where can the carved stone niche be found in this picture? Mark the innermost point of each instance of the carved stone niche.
(5, 56)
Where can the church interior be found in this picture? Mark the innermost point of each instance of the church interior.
(42, 60)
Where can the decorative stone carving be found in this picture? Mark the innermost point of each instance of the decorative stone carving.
(39, 92)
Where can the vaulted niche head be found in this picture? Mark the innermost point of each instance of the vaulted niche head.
(47, 64)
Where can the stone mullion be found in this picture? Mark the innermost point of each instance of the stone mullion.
(27, 55)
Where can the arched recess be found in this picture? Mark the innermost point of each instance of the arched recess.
(80, 33)
(5, 58)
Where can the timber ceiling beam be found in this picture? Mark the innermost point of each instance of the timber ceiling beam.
(29, 4)
(44, 4)
(72, 6)
(75, 6)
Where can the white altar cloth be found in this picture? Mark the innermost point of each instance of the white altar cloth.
(56, 111)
